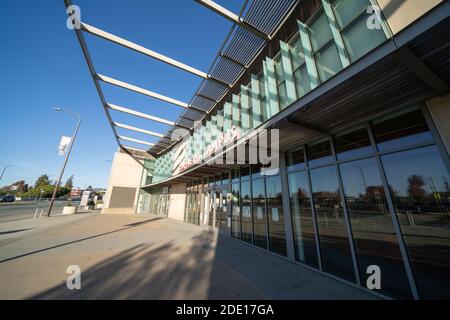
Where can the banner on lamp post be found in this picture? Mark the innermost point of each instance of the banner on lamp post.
(64, 145)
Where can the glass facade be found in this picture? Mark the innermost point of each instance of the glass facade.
(155, 202)
(378, 194)
(303, 225)
(236, 210)
(275, 215)
(332, 39)
(333, 234)
(193, 204)
(259, 214)
(351, 17)
(246, 212)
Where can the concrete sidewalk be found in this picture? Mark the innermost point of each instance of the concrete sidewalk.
(135, 257)
(15, 230)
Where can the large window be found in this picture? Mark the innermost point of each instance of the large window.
(353, 144)
(246, 212)
(262, 97)
(373, 232)
(235, 210)
(351, 17)
(277, 234)
(295, 160)
(159, 201)
(302, 219)
(281, 82)
(392, 175)
(333, 236)
(401, 131)
(259, 214)
(192, 212)
(319, 153)
(419, 184)
(301, 76)
(325, 51)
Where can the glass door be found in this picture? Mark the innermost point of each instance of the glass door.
(223, 215)
(218, 212)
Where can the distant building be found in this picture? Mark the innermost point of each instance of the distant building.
(123, 194)
(75, 194)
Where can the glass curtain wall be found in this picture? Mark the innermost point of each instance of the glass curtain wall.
(246, 206)
(259, 213)
(350, 41)
(193, 202)
(419, 187)
(386, 174)
(236, 209)
(324, 48)
(275, 215)
(303, 225)
(351, 17)
(261, 210)
(159, 201)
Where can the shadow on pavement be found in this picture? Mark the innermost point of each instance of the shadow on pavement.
(145, 272)
(14, 231)
(80, 240)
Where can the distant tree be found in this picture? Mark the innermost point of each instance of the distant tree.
(42, 181)
(415, 187)
(44, 191)
(15, 188)
(69, 183)
(19, 186)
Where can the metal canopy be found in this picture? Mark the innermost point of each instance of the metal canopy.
(240, 48)
(247, 37)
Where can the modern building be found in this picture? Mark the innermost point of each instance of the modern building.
(356, 93)
(127, 174)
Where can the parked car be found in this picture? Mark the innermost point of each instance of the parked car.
(7, 199)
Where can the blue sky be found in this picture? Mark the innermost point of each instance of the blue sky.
(42, 66)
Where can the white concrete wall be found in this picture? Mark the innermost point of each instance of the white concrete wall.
(440, 112)
(125, 172)
(401, 13)
(177, 201)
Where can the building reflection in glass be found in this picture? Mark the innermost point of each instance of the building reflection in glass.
(302, 219)
(419, 185)
(259, 214)
(373, 231)
(235, 211)
(277, 234)
(333, 237)
(246, 213)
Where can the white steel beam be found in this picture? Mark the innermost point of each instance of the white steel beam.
(220, 10)
(132, 149)
(141, 91)
(211, 5)
(140, 114)
(127, 127)
(145, 116)
(136, 141)
(133, 46)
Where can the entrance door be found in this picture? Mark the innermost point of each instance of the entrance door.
(218, 210)
(211, 209)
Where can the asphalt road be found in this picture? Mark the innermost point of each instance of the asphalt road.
(13, 212)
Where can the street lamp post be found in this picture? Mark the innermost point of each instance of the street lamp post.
(67, 157)
(4, 169)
